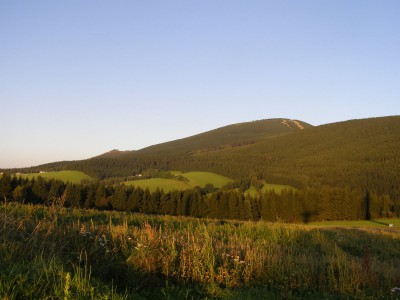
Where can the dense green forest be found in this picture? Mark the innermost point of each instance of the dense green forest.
(360, 154)
(334, 167)
(230, 202)
(172, 155)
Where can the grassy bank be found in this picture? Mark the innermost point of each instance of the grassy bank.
(54, 252)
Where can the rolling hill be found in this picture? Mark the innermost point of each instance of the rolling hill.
(359, 154)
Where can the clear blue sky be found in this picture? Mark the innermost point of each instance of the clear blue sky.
(79, 78)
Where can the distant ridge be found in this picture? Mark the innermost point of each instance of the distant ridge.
(113, 153)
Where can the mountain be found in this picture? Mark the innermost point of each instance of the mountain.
(117, 163)
(359, 154)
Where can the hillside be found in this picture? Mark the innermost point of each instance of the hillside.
(356, 153)
(359, 154)
(231, 136)
(164, 156)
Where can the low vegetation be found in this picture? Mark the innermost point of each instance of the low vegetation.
(53, 252)
(376, 223)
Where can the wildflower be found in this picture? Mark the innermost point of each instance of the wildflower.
(82, 230)
(67, 285)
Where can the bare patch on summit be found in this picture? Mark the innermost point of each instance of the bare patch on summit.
(297, 123)
(294, 122)
(285, 122)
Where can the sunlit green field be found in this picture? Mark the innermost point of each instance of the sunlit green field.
(66, 176)
(193, 179)
(167, 185)
(202, 178)
(59, 253)
(278, 188)
(359, 224)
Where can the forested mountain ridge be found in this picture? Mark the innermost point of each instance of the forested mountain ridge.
(362, 154)
(357, 154)
(117, 163)
(230, 136)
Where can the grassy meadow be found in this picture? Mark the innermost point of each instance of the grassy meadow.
(53, 252)
(66, 176)
(277, 188)
(202, 178)
(167, 185)
(192, 179)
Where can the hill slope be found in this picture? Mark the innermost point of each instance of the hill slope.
(166, 155)
(359, 154)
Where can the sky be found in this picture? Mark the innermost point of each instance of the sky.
(80, 78)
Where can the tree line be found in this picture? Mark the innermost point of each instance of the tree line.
(302, 205)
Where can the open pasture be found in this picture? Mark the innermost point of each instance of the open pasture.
(66, 176)
(277, 188)
(202, 178)
(152, 184)
(192, 179)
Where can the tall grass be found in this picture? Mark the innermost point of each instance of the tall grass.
(78, 254)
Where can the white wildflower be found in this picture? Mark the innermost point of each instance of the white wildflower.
(395, 290)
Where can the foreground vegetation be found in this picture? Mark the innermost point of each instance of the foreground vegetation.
(86, 254)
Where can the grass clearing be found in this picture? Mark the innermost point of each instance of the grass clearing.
(278, 188)
(193, 179)
(378, 223)
(167, 185)
(66, 176)
(202, 178)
